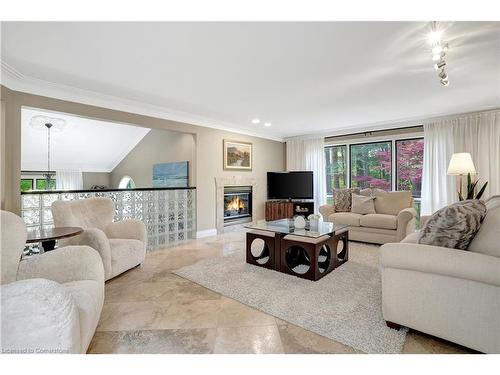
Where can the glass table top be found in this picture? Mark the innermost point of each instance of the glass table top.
(286, 226)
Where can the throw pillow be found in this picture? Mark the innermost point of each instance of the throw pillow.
(362, 204)
(454, 226)
(342, 199)
(371, 192)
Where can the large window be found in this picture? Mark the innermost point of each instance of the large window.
(336, 168)
(41, 184)
(26, 184)
(371, 165)
(409, 163)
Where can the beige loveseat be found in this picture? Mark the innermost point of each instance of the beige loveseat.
(51, 303)
(448, 293)
(394, 218)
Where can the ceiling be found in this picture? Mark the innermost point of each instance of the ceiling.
(302, 77)
(84, 144)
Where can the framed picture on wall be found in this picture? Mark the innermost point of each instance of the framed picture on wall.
(171, 174)
(237, 155)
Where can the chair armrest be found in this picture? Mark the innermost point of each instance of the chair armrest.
(130, 229)
(96, 239)
(441, 261)
(326, 210)
(71, 263)
(405, 222)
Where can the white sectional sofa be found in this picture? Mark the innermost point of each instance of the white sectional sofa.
(448, 293)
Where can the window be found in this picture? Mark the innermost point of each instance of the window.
(126, 183)
(26, 184)
(371, 165)
(409, 164)
(41, 184)
(336, 167)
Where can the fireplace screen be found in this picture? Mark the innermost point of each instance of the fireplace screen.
(237, 203)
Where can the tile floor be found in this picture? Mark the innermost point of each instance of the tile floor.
(150, 310)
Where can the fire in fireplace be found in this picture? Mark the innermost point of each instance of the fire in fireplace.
(237, 204)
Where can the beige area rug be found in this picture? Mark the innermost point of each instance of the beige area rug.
(345, 305)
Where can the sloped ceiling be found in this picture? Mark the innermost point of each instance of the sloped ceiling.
(84, 144)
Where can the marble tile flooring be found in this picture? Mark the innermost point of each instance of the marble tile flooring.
(150, 310)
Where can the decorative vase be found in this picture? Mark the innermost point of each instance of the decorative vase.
(299, 222)
(313, 221)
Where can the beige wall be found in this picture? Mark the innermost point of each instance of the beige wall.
(158, 146)
(96, 178)
(268, 154)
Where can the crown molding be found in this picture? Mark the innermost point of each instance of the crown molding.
(17, 81)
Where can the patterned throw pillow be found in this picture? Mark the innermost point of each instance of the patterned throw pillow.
(454, 226)
(342, 199)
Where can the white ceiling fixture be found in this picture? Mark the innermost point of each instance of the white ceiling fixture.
(316, 77)
(85, 144)
(255, 121)
(439, 50)
(267, 124)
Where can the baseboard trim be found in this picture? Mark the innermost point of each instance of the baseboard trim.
(206, 233)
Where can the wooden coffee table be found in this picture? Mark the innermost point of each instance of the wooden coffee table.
(309, 253)
(48, 237)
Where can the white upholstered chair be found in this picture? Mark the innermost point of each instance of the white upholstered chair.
(51, 303)
(121, 244)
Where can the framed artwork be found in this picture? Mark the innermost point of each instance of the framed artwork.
(237, 155)
(171, 174)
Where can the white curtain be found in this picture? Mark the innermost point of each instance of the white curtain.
(477, 134)
(69, 180)
(309, 155)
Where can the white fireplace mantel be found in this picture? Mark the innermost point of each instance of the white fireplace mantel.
(220, 183)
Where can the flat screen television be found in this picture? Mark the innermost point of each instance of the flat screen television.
(290, 185)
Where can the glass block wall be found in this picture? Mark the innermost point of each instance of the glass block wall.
(169, 214)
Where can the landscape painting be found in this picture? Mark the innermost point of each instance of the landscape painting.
(171, 174)
(237, 155)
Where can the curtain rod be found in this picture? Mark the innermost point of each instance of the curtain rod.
(375, 132)
(393, 125)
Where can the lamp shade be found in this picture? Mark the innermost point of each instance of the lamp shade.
(461, 163)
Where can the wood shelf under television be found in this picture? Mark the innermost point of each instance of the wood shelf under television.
(276, 210)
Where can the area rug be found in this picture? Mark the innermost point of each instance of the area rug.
(345, 305)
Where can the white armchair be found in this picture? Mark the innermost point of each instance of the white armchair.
(50, 302)
(122, 245)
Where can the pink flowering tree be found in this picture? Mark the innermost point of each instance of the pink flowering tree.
(410, 159)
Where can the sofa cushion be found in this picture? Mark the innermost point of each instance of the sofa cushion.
(342, 199)
(487, 239)
(453, 226)
(393, 202)
(39, 316)
(411, 238)
(379, 221)
(346, 218)
(362, 204)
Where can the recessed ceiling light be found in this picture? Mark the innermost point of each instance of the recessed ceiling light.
(268, 124)
(255, 121)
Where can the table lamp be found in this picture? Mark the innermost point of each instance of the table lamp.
(460, 164)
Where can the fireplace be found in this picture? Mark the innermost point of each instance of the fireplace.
(237, 204)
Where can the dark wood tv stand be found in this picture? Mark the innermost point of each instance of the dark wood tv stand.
(277, 209)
